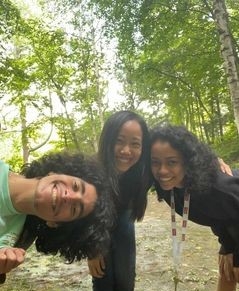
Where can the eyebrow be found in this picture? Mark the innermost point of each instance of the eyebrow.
(135, 137)
(82, 206)
(139, 140)
(167, 158)
(82, 187)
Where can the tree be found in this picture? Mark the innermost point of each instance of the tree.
(47, 61)
(229, 52)
(167, 54)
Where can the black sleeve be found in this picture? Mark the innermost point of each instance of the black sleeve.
(228, 237)
(221, 205)
(224, 238)
(226, 194)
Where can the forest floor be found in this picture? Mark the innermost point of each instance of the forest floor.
(198, 271)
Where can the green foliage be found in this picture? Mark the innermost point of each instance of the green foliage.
(43, 63)
(55, 75)
(9, 18)
(228, 148)
(169, 52)
(13, 157)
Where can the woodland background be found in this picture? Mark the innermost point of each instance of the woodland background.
(66, 65)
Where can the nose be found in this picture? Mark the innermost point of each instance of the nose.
(125, 149)
(71, 196)
(163, 169)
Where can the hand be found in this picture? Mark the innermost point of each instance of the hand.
(225, 168)
(10, 258)
(236, 274)
(96, 267)
(226, 267)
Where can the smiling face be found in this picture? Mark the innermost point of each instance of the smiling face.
(167, 165)
(62, 198)
(128, 146)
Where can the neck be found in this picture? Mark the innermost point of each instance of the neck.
(22, 192)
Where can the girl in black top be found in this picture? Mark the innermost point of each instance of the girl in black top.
(182, 164)
(124, 152)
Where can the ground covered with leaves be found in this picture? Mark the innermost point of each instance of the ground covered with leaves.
(198, 271)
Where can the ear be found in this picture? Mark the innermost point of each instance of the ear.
(52, 224)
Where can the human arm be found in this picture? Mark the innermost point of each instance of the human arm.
(229, 252)
(10, 258)
(96, 266)
(227, 269)
(225, 168)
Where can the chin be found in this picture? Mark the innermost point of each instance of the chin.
(166, 188)
(123, 169)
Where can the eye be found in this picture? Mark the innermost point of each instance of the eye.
(136, 145)
(77, 209)
(119, 141)
(172, 163)
(155, 162)
(73, 210)
(75, 187)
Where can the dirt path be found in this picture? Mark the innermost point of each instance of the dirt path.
(154, 263)
(154, 260)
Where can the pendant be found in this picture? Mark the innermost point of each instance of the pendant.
(176, 280)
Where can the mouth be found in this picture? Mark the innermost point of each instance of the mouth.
(123, 160)
(54, 199)
(165, 180)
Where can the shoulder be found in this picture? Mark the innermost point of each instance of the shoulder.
(227, 183)
(235, 172)
(3, 165)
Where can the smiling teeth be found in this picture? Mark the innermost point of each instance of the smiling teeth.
(122, 160)
(165, 179)
(54, 192)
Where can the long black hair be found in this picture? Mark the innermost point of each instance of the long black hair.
(134, 183)
(85, 237)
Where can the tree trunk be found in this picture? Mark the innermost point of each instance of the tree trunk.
(228, 53)
(25, 146)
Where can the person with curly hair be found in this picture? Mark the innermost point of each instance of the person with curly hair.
(188, 177)
(61, 202)
(124, 152)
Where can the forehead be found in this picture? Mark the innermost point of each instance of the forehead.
(164, 148)
(63, 178)
(131, 128)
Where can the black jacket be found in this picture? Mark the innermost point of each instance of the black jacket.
(217, 207)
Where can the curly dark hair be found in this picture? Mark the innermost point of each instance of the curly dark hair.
(83, 238)
(200, 162)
